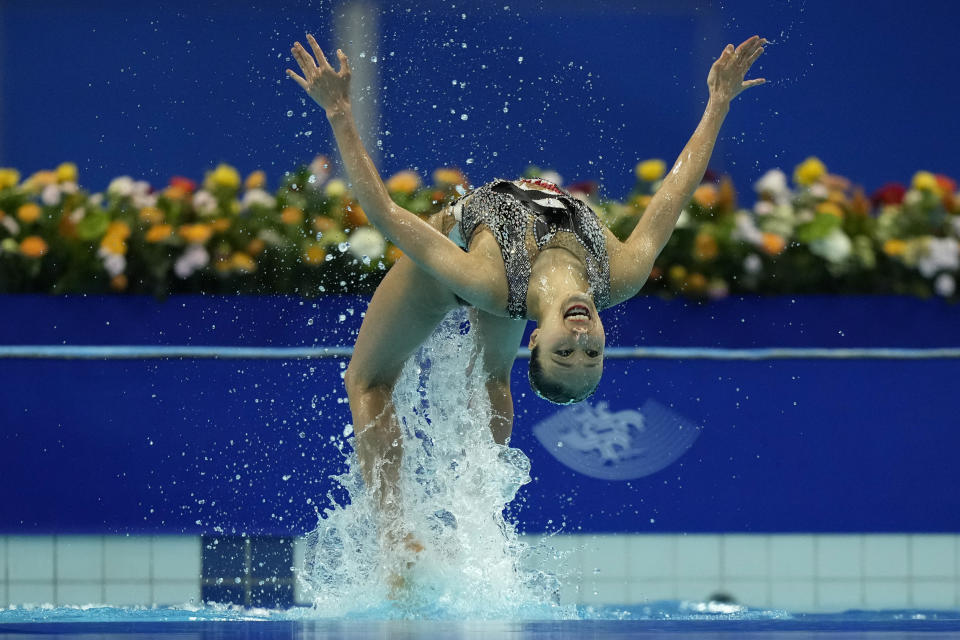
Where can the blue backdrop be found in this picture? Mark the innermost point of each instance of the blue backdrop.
(187, 445)
(156, 89)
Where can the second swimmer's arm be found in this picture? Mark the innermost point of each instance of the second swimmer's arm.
(430, 249)
(725, 81)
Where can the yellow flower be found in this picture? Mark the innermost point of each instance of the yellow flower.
(773, 243)
(641, 202)
(448, 176)
(243, 262)
(695, 283)
(705, 247)
(256, 247)
(926, 181)
(118, 282)
(150, 215)
(677, 272)
(33, 247)
(159, 233)
(220, 224)
(403, 182)
(9, 178)
(809, 171)
(224, 176)
(39, 180)
(830, 208)
(115, 239)
(314, 254)
(291, 215)
(706, 195)
(66, 172)
(335, 188)
(196, 233)
(650, 170)
(29, 212)
(256, 180)
(894, 247)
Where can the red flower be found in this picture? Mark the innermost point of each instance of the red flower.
(589, 187)
(946, 184)
(890, 193)
(185, 185)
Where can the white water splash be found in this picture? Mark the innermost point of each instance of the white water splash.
(455, 482)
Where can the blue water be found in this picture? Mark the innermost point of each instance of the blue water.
(673, 619)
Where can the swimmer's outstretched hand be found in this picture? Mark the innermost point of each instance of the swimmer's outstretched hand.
(725, 79)
(330, 89)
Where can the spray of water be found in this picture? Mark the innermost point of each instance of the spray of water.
(455, 482)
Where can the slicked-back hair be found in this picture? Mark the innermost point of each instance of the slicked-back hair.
(550, 389)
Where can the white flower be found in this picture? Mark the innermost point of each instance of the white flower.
(552, 176)
(50, 195)
(195, 257)
(121, 187)
(912, 196)
(366, 241)
(141, 200)
(819, 190)
(752, 264)
(204, 203)
(113, 263)
(77, 215)
(945, 285)
(774, 183)
(834, 247)
(257, 198)
(763, 207)
(805, 215)
(96, 199)
(69, 187)
(941, 254)
(10, 224)
(746, 229)
(270, 236)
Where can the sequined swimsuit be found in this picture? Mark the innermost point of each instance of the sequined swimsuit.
(526, 217)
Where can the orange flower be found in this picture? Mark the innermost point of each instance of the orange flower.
(727, 194)
(449, 176)
(115, 239)
(393, 254)
(773, 244)
(696, 283)
(403, 182)
(119, 228)
(706, 195)
(119, 282)
(39, 180)
(894, 247)
(256, 247)
(34, 247)
(243, 262)
(860, 204)
(195, 233)
(640, 202)
(354, 216)
(705, 247)
(29, 212)
(256, 180)
(831, 208)
(291, 216)
(150, 215)
(159, 233)
(314, 254)
(220, 224)
(323, 224)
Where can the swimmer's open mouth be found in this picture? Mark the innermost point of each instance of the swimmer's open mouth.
(578, 313)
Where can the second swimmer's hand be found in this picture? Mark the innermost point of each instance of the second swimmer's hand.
(725, 79)
(330, 89)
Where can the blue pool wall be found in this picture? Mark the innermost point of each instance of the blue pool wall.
(195, 446)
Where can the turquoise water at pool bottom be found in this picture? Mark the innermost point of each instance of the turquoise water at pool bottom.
(676, 619)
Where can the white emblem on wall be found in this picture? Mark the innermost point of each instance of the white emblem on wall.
(620, 445)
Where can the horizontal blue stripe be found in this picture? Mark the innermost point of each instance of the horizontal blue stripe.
(133, 352)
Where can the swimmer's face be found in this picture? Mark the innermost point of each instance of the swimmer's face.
(570, 341)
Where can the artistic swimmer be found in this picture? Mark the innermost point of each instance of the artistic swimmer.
(513, 251)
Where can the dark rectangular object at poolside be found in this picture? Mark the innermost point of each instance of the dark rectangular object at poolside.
(247, 446)
(249, 571)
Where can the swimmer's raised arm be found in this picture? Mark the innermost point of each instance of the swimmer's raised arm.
(430, 249)
(648, 238)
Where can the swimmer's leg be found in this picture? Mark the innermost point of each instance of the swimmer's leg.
(499, 339)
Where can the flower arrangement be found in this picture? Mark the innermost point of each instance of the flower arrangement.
(229, 234)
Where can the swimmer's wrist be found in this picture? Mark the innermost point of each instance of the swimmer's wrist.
(718, 105)
(339, 112)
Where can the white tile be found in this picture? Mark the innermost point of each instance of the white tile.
(569, 593)
(605, 557)
(791, 556)
(4, 602)
(3, 558)
(176, 592)
(30, 558)
(933, 556)
(745, 556)
(127, 558)
(887, 594)
(697, 589)
(750, 592)
(21, 593)
(300, 590)
(642, 590)
(839, 556)
(601, 592)
(127, 594)
(176, 558)
(885, 556)
(652, 556)
(80, 593)
(796, 596)
(839, 595)
(933, 594)
(563, 554)
(79, 558)
(698, 556)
